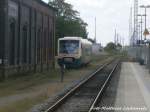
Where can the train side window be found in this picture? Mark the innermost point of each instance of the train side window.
(12, 41)
(24, 43)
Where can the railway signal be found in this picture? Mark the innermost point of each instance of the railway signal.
(62, 70)
(146, 32)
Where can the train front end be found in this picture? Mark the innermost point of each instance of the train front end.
(69, 52)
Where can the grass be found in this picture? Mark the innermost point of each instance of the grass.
(27, 84)
(23, 105)
(21, 84)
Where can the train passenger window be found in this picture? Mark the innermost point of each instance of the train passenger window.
(12, 41)
(69, 46)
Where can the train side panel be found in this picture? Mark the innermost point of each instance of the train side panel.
(86, 56)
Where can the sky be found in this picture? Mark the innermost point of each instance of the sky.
(110, 15)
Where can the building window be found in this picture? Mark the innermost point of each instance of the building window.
(39, 45)
(30, 49)
(50, 42)
(12, 35)
(45, 45)
(24, 43)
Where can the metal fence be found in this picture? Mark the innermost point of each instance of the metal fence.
(139, 52)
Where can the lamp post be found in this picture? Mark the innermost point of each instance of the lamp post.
(139, 34)
(141, 22)
(139, 50)
(145, 7)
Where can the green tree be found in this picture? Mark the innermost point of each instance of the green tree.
(119, 46)
(91, 40)
(111, 47)
(65, 10)
(68, 22)
(70, 28)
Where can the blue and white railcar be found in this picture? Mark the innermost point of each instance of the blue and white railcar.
(74, 51)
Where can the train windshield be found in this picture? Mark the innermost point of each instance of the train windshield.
(69, 46)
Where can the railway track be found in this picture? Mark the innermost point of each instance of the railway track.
(84, 96)
(100, 103)
(105, 101)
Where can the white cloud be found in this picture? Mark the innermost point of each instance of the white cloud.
(110, 14)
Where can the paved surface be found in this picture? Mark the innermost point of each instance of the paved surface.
(133, 92)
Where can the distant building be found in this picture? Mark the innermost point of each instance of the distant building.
(27, 35)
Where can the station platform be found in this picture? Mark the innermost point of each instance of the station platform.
(133, 93)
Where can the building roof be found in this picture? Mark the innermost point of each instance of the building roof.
(45, 4)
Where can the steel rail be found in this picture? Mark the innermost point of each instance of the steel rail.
(56, 105)
(102, 89)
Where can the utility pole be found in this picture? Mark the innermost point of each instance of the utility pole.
(123, 42)
(115, 37)
(95, 31)
(120, 39)
(139, 33)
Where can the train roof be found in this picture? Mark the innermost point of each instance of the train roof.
(76, 38)
(71, 38)
(85, 41)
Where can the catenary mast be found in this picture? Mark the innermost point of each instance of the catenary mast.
(131, 26)
(135, 33)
